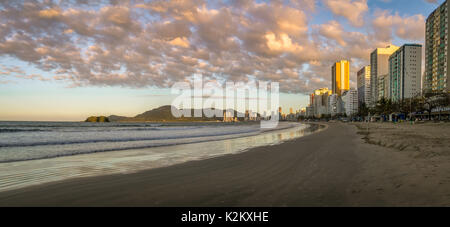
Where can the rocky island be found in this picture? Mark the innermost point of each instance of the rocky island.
(100, 119)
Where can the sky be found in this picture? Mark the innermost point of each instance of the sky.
(66, 60)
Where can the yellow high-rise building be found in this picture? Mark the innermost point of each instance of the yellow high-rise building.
(340, 77)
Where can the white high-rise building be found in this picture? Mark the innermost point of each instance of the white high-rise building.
(320, 101)
(405, 68)
(350, 101)
(334, 105)
(363, 81)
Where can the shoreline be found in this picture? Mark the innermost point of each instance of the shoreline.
(21, 174)
(345, 171)
(158, 146)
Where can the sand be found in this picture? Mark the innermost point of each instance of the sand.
(335, 167)
(425, 140)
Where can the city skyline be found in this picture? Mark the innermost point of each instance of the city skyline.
(120, 59)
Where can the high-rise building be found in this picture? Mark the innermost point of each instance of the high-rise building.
(363, 83)
(280, 113)
(350, 100)
(309, 111)
(335, 105)
(379, 68)
(311, 99)
(302, 112)
(340, 77)
(424, 81)
(437, 50)
(320, 103)
(383, 87)
(405, 68)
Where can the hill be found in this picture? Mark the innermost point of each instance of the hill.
(162, 114)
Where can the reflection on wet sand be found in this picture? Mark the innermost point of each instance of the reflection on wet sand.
(22, 174)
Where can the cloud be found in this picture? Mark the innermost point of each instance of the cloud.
(17, 72)
(182, 42)
(305, 4)
(333, 30)
(352, 10)
(49, 13)
(142, 44)
(281, 43)
(386, 25)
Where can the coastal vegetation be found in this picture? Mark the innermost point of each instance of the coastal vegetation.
(431, 105)
(424, 105)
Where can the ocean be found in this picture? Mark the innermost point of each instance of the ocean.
(40, 152)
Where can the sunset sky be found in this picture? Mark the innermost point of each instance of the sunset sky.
(66, 60)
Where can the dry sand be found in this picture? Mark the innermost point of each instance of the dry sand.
(417, 140)
(409, 164)
(335, 167)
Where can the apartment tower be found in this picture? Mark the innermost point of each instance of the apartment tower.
(363, 83)
(437, 51)
(405, 69)
(379, 70)
(340, 77)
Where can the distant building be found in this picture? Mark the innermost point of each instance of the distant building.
(437, 50)
(405, 68)
(303, 112)
(309, 111)
(363, 82)
(320, 102)
(228, 116)
(424, 83)
(254, 116)
(379, 68)
(280, 114)
(340, 77)
(383, 87)
(334, 105)
(350, 100)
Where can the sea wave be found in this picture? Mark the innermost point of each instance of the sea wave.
(43, 166)
(42, 155)
(13, 130)
(35, 145)
(127, 139)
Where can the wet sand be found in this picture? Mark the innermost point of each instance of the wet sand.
(335, 167)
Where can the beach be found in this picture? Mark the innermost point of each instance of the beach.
(340, 166)
(426, 140)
